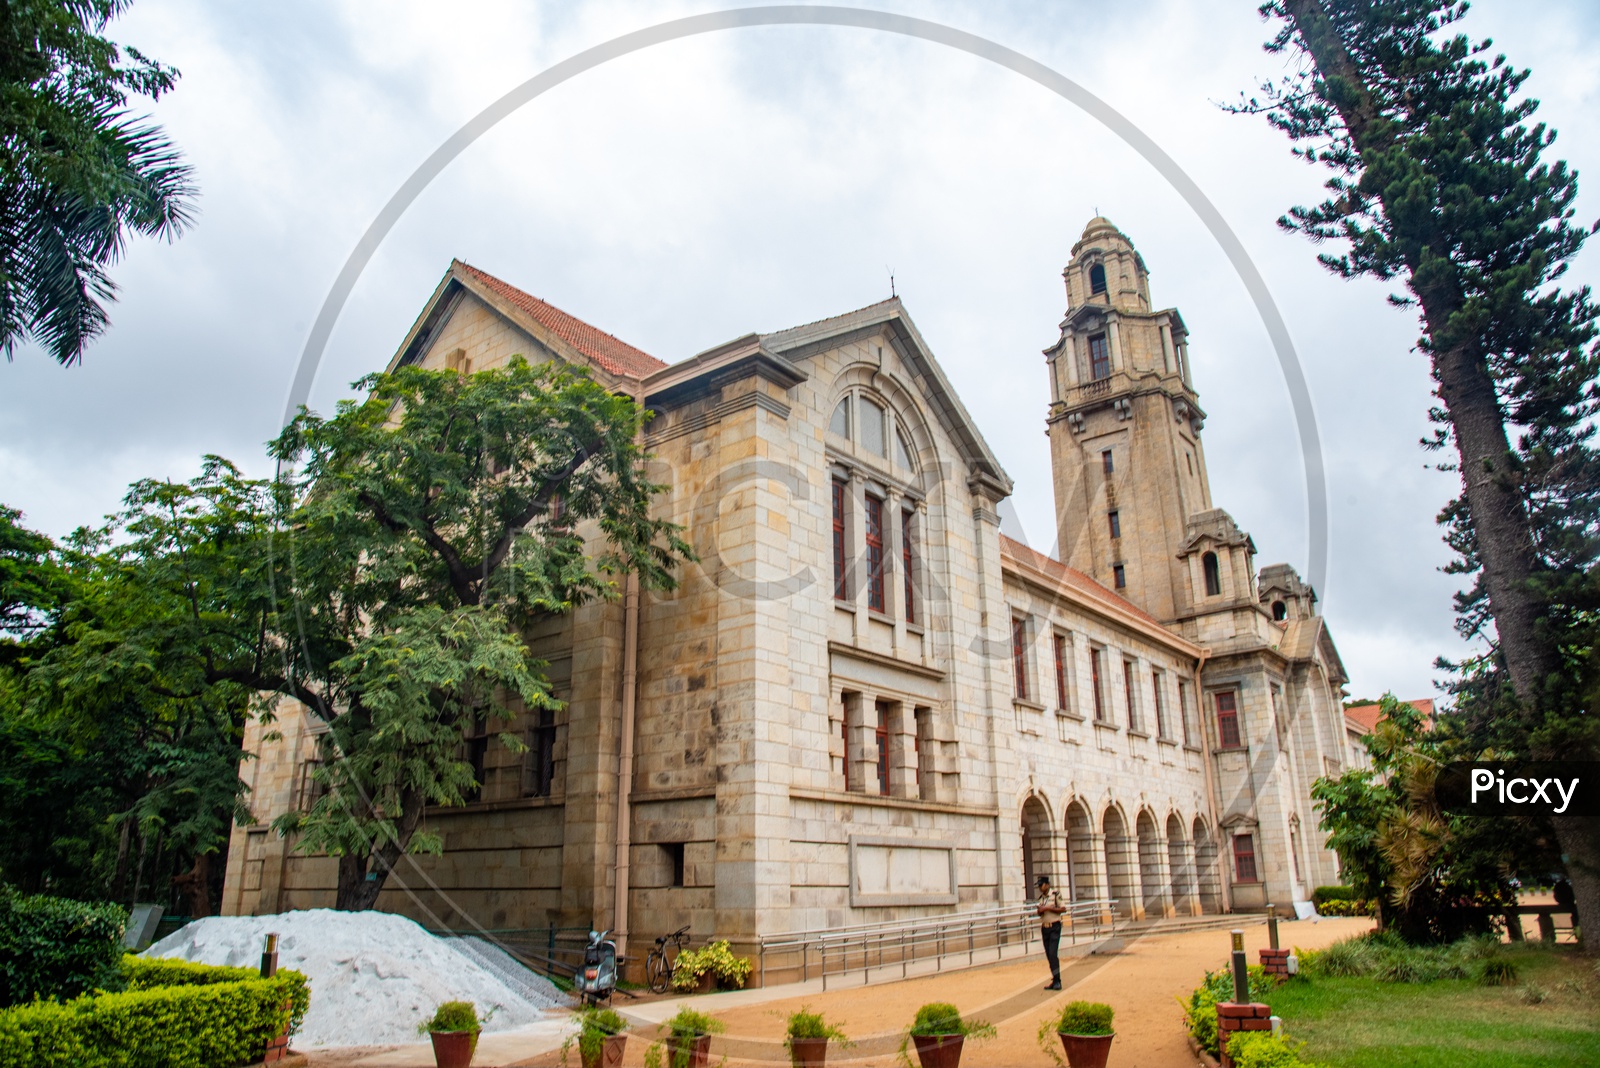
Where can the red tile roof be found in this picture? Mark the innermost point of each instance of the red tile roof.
(1075, 578)
(612, 354)
(1366, 716)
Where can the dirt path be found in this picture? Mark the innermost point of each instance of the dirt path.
(1141, 982)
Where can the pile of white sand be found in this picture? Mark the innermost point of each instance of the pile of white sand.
(374, 976)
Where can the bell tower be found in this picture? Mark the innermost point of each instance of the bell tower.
(1124, 427)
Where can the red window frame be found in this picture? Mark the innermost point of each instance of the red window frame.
(1061, 671)
(1163, 730)
(874, 538)
(1228, 720)
(1099, 358)
(1134, 723)
(1096, 656)
(1244, 859)
(882, 734)
(908, 558)
(840, 587)
(1019, 655)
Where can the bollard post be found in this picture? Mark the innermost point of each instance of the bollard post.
(1241, 973)
(1272, 925)
(269, 957)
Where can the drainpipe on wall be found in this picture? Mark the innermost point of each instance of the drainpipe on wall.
(1211, 781)
(630, 689)
(630, 693)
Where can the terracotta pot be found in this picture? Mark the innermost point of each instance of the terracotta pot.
(610, 1054)
(1086, 1051)
(939, 1051)
(699, 1052)
(808, 1052)
(453, 1049)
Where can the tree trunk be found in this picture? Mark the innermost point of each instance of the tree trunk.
(362, 877)
(195, 884)
(1495, 504)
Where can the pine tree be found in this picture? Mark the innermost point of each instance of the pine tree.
(1439, 183)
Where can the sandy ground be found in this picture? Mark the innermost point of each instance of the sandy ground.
(1141, 981)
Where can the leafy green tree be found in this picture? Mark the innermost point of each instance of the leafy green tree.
(423, 526)
(1439, 183)
(78, 172)
(1396, 847)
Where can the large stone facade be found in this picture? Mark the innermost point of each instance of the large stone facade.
(864, 702)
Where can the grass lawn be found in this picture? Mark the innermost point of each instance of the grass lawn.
(1451, 1023)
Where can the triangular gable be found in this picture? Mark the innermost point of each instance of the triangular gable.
(797, 343)
(567, 336)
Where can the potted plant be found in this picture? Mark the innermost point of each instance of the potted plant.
(687, 1041)
(600, 1038)
(454, 1030)
(712, 964)
(807, 1038)
(1084, 1028)
(938, 1033)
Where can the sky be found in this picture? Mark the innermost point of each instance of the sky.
(759, 178)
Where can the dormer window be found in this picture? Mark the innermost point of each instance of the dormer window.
(1213, 573)
(1097, 278)
(1099, 357)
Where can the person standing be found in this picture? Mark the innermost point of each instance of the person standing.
(1049, 910)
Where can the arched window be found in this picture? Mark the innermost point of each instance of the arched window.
(1280, 611)
(902, 451)
(1097, 278)
(873, 429)
(1208, 563)
(840, 423)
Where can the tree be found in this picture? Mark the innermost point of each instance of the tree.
(423, 526)
(78, 171)
(1424, 867)
(1439, 183)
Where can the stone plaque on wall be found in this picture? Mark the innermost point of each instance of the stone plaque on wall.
(886, 872)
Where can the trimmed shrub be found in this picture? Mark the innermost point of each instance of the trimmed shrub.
(1388, 958)
(51, 947)
(196, 1025)
(147, 973)
(1263, 1049)
(1324, 894)
(1341, 907)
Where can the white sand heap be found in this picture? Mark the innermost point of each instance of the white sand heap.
(374, 976)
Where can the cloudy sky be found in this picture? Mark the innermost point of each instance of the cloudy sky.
(753, 180)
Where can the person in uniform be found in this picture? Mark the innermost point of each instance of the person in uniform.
(1049, 909)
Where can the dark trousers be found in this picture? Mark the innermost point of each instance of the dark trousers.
(1051, 937)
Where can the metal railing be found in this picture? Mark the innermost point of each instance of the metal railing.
(864, 947)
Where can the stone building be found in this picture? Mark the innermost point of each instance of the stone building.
(865, 702)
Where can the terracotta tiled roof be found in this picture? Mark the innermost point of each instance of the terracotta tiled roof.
(613, 355)
(1074, 578)
(1366, 716)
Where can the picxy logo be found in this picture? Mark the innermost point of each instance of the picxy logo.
(1531, 788)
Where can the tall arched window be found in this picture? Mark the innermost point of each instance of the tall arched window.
(1208, 563)
(1280, 611)
(1097, 278)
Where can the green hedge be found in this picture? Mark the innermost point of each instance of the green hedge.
(1324, 894)
(51, 947)
(207, 1018)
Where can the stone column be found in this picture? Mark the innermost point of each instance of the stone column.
(1162, 899)
(1168, 357)
(902, 750)
(1114, 336)
(894, 567)
(861, 748)
(855, 533)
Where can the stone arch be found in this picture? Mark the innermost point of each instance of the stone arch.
(1152, 862)
(1208, 879)
(886, 388)
(1180, 866)
(1122, 861)
(1038, 843)
(1085, 861)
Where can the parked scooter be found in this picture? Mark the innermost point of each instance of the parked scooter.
(597, 978)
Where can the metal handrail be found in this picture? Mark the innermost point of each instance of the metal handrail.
(904, 942)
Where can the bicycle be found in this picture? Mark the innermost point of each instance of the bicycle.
(658, 965)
